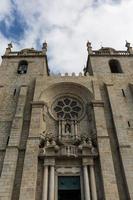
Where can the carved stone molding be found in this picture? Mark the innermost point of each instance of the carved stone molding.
(97, 103)
(37, 104)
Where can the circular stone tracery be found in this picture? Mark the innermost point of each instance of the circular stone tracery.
(67, 108)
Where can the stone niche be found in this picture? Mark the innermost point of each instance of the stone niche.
(66, 111)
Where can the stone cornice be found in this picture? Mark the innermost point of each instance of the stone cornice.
(97, 103)
(36, 104)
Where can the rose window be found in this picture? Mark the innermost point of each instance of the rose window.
(67, 108)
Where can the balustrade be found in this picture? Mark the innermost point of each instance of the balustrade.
(107, 52)
(69, 150)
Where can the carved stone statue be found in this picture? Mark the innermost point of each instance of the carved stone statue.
(67, 128)
(43, 121)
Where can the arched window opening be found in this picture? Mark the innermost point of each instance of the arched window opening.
(115, 66)
(22, 67)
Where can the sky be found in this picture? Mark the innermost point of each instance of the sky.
(66, 25)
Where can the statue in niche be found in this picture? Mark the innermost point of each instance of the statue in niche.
(67, 128)
(43, 121)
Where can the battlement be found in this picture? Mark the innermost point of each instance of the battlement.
(73, 74)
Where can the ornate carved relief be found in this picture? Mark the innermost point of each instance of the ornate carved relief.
(82, 146)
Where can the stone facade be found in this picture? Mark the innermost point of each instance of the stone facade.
(65, 133)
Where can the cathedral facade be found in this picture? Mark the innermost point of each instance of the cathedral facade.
(66, 137)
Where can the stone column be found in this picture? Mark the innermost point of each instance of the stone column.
(52, 183)
(73, 129)
(63, 127)
(45, 183)
(60, 128)
(93, 183)
(76, 129)
(86, 183)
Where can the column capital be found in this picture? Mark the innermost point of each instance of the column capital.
(91, 165)
(49, 162)
(87, 161)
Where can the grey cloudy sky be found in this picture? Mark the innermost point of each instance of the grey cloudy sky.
(66, 25)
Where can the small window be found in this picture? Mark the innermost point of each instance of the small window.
(115, 66)
(22, 67)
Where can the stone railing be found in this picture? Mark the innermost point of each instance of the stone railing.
(31, 53)
(24, 53)
(69, 150)
(107, 52)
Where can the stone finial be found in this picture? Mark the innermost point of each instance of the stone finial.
(80, 73)
(87, 74)
(89, 47)
(129, 48)
(10, 45)
(66, 74)
(44, 47)
(84, 69)
(8, 49)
